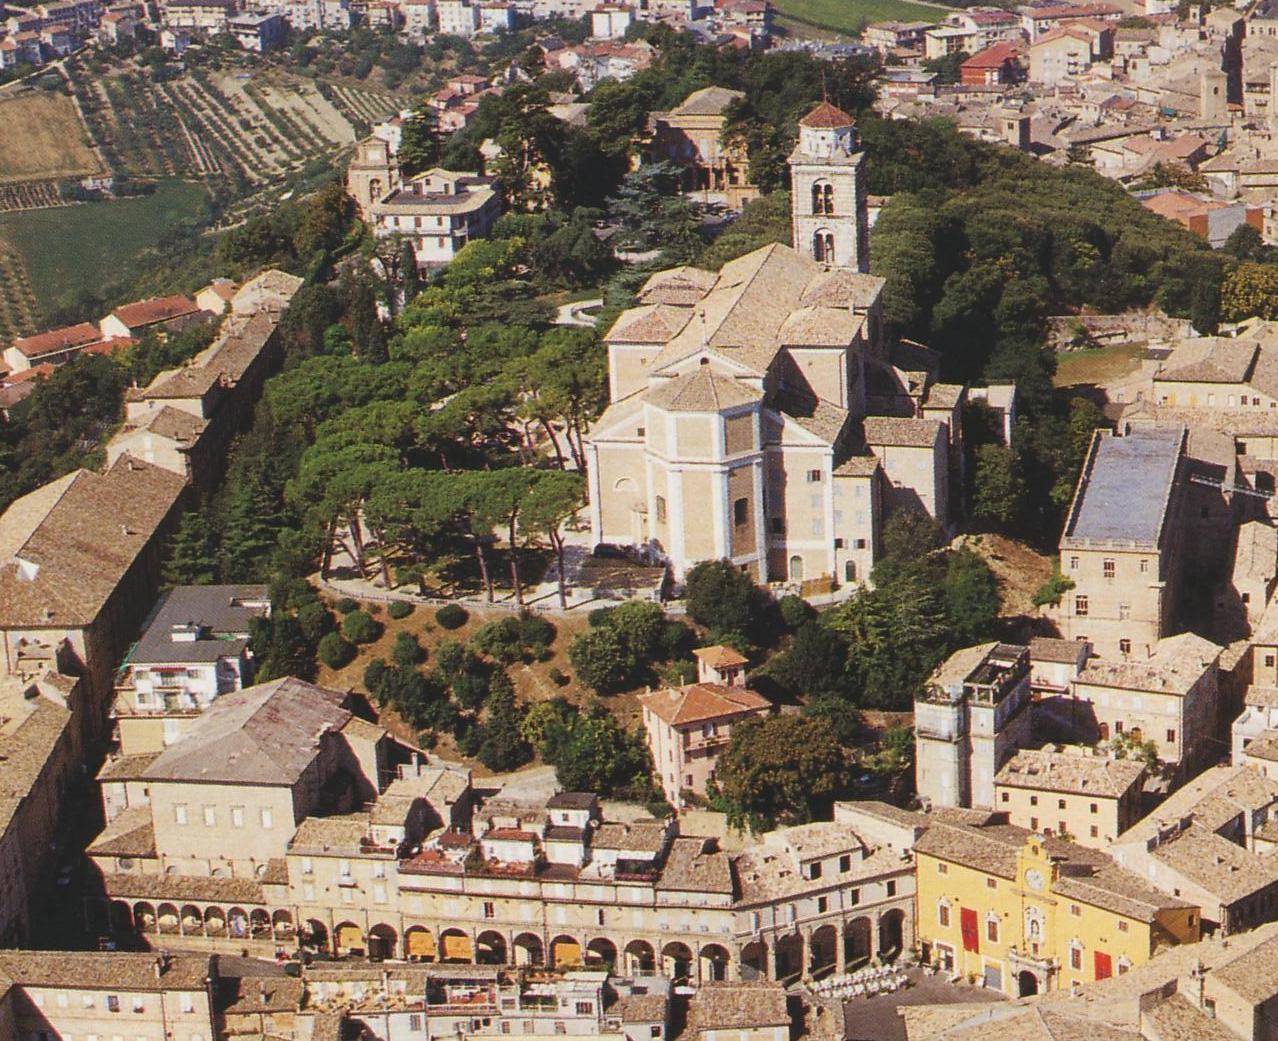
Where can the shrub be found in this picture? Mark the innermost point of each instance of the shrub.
(679, 673)
(500, 640)
(599, 616)
(407, 652)
(452, 616)
(361, 627)
(600, 660)
(335, 651)
(535, 631)
(795, 611)
(557, 676)
(375, 676)
(400, 609)
(346, 605)
(315, 620)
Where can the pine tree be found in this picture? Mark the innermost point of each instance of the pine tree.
(192, 553)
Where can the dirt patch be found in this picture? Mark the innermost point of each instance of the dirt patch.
(1098, 367)
(1020, 571)
(43, 138)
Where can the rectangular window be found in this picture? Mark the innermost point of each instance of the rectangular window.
(823, 904)
(942, 869)
(1095, 831)
(943, 915)
(1080, 606)
(237, 816)
(661, 509)
(1269, 661)
(1124, 612)
(991, 930)
(740, 512)
(1060, 804)
(1073, 563)
(1107, 568)
(1076, 958)
(891, 888)
(1094, 808)
(490, 910)
(415, 1023)
(1075, 910)
(1124, 646)
(991, 884)
(585, 1008)
(113, 1002)
(1033, 800)
(1171, 737)
(1061, 829)
(845, 862)
(308, 866)
(1033, 824)
(854, 897)
(778, 526)
(1144, 566)
(1122, 926)
(179, 812)
(267, 818)
(210, 817)
(1004, 797)
(814, 477)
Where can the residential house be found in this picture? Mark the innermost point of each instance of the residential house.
(439, 211)
(1202, 844)
(689, 726)
(194, 648)
(1072, 793)
(611, 21)
(998, 65)
(61, 345)
(258, 33)
(168, 314)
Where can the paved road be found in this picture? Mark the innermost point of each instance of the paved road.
(571, 314)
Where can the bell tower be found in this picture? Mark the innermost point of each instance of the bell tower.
(829, 215)
(371, 174)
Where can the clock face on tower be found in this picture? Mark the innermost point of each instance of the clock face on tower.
(1034, 879)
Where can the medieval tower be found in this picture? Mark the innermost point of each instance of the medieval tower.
(829, 214)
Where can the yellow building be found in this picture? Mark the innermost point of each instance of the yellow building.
(1029, 913)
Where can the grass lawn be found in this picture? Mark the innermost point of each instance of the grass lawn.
(1098, 366)
(93, 244)
(43, 138)
(846, 16)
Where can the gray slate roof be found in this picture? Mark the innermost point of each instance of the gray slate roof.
(219, 609)
(1124, 496)
(268, 734)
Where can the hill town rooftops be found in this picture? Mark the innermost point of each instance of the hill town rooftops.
(56, 340)
(144, 313)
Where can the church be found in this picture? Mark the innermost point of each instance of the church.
(761, 413)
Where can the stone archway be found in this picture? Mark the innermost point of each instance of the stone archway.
(419, 944)
(529, 950)
(676, 960)
(382, 942)
(754, 961)
(891, 933)
(455, 946)
(565, 950)
(490, 948)
(823, 950)
(1026, 983)
(713, 963)
(348, 939)
(641, 959)
(601, 951)
(789, 955)
(858, 946)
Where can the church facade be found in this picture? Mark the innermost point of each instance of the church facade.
(760, 413)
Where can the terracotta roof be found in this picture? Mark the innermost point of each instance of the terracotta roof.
(700, 702)
(719, 656)
(643, 836)
(649, 323)
(157, 309)
(993, 57)
(1075, 773)
(737, 1006)
(1045, 648)
(709, 101)
(131, 834)
(55, 340)
(1222, 868)
(826, 117)
(183, 887)
(701, 391)
(692, 865)
(902, 432)
(1253, 975)
(114, 970)
(74, 557)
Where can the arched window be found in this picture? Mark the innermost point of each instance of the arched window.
(823, 247)
(374, 190)
(822, 197)
(796, 568)
(849, 571)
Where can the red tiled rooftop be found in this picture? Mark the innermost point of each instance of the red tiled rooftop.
(57, 339)
(993, 57)
(157, 309)
(826, 117)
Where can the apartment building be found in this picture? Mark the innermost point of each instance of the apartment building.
(1030, 914)
(970, 718)
(1122, 540)
(1074, 794)
(1168, 698)
(282, 818)
(689, 726)
(41, 752)
(73, 584)
(691, 136)
(1204, 843)
(194, 648)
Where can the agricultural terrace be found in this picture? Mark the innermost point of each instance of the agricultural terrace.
(247, 127)
(43, 139)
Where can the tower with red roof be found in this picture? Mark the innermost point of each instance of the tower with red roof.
(829, 214)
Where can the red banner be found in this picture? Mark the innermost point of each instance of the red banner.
(971, 931)
(1104, 968)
